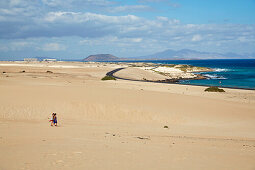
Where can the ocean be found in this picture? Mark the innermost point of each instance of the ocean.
(236, 73)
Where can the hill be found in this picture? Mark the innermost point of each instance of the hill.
(101, 57)
(186, 54)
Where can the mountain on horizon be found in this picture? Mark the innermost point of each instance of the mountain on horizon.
(187, 54)
(184, 54)
(101, 57)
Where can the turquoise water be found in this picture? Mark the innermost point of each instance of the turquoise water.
(228, 73)
(234, 73)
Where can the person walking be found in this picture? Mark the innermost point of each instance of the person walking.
(55, 120)
(51, 119)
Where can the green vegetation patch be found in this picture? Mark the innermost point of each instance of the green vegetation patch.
(159, 72)
(168, 65)
(214, 89)
(185, 67)
(108, 78)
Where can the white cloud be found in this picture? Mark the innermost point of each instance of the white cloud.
(15, 2)
(63, 16)
(4, 48)
(136, 40)
(196, 37)
(111, 39)
(243, 39)
(162, 18)
(19, 45)
(93, 25)
(77, 3)
(77, 17)
(130, 8)
(53, 47)
(16, 45)
(24, 19)
(167, 2)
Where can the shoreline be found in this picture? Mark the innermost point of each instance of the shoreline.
(111, 73)
(64, 64)
(119, 124)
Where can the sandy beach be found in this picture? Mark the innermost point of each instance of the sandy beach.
(119, 124)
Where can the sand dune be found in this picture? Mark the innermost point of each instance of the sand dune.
(139, 74)
(119, 124)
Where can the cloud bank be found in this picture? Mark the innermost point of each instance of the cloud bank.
(49, 23)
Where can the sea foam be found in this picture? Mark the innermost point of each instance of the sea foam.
(214, 76)
(220, 70)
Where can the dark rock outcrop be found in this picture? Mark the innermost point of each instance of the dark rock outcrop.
(101, 57)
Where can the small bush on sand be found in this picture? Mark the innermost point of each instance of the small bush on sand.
(23, 71)
(166, 127)
(4, 72)
(49, 71)
(108, 78)
(214, 89)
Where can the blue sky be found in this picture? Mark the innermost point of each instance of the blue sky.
(74, 29)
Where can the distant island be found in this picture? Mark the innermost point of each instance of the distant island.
(184, 54)
(187, 54)
(102, 57)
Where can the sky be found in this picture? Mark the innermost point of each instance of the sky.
(74, 29)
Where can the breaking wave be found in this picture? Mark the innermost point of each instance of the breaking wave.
(220, 70)
(214, 76)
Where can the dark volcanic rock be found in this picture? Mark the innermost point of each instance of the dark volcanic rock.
(101, 57)
(174, 80)
(169, 81)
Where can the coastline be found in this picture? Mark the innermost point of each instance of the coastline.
(171, 81)
(119, 124)
(111, 73)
